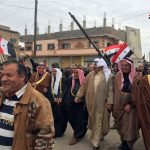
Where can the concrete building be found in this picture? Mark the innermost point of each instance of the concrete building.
(71, 47)
(134, 40)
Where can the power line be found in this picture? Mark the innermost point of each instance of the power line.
(16, 6)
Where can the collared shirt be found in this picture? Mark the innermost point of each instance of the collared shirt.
(7, 120)
(21, 91)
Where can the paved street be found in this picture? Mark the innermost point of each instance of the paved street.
(110, 143)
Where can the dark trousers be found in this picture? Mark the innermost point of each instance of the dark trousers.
(60, 123)
(77, 116)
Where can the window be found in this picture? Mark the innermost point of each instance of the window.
(66, 46)
(108, 44)
(50, 46)
(38, 47)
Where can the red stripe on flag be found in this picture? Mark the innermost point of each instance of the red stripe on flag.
(122, 47)
(111, 47)
(1, 51)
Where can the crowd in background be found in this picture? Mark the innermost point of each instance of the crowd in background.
(86, 96)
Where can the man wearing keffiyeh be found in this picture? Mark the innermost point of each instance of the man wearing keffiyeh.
(76, 113)
(56, 95)
(124, 110)
(98, 91)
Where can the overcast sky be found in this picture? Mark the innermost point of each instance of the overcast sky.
(133, 13)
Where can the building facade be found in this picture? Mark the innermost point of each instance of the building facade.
(71, 47)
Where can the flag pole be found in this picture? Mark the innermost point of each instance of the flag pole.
(86, 35)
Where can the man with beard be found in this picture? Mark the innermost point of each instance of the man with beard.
(26, 120)
(57, 93)
(124, 110)
(98, 92)
(75, 113)
(40, 80)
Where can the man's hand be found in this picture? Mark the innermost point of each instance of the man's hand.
(55, 100)
(109, 106)
(59, 101)
(77, 100)
(127, 108)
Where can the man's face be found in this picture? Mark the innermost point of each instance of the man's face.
(54, 71)
(71, 70)
(91, 68)
(97, 69)
(76, 74)
(126, 67)
(11, 80)
(41, 70)
(45, 63)
(141, 67)
(115, 67)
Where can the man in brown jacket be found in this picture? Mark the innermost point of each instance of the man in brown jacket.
(40, 80)
(26, 120)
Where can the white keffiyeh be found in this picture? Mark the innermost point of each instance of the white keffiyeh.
(99, 62)
(58, 78)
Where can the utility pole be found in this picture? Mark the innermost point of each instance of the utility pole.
(35, 27)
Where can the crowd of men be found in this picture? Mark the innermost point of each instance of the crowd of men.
(37, 103)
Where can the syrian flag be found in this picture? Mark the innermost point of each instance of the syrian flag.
(6, 48)
(111, 50)
(122, 53)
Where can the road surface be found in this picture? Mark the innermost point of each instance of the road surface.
(110, 142)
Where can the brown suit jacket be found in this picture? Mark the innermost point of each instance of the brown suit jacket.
(34, 125)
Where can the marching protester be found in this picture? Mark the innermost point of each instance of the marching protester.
(26, 119)
(91, 67)
(141, 99)
(41, 80)
(98, 91)
(57, 93)
(75, 113)
(141, 70)
(124, 110)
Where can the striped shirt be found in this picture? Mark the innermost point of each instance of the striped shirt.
(7, 120)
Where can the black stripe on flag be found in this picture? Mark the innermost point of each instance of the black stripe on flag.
(129, 54)
(112, 54)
